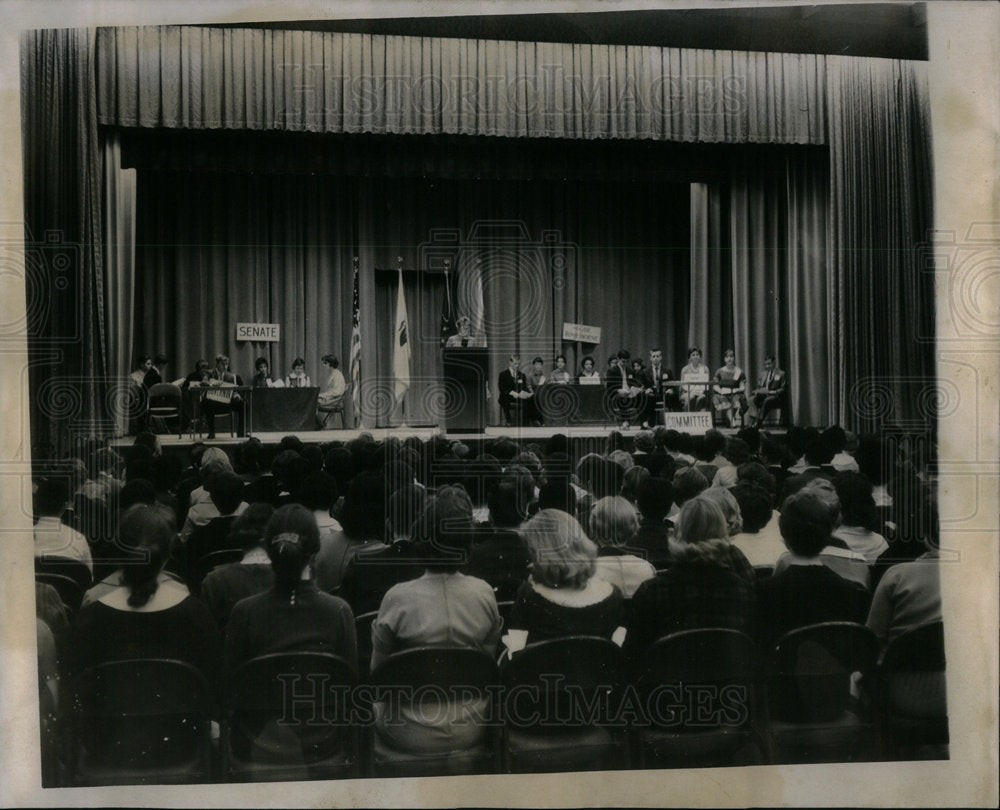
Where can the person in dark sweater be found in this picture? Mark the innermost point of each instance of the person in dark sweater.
(498, 554)
(807, 592)
(226, 585)
(147, 616)
(655, 496)
(703, 588)
(563, 597)
(293, 615)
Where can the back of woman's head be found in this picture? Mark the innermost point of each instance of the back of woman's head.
(562, 556)
(362, 515)
(654, 497)
(444, 529)
(857, 506)
(724, 499)
(806, 522)
(137, 490)
(634, 476)
(702, 531)
(405, 506)
(149, 530)
(755, 506)
(213, 461)
(247, 531)
(688, 483)
(613, 521)
(291, 538)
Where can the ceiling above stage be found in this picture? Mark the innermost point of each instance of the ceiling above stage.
(895, 30)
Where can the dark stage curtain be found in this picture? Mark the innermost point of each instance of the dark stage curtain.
(881, 210)
(214, 250)
(199, 77)
(72, 389)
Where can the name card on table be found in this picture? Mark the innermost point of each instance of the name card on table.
(581, 332)
(693, 422)
(258, 331)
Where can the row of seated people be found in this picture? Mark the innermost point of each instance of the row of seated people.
(642, 389)
(562, 581)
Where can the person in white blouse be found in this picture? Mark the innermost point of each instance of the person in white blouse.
(297, 377)
(693, 396)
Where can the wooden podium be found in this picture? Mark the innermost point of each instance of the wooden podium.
(466, 374)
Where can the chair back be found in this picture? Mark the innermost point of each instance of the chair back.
(810, 668)
(564, 676)
(164, 396)
(64, 566)
(290, 708)
(918, 650)
(363, 631)
(213, 560)
(68, 588)
(448, 667)
(141, 716)
(713, 669)
(763, 571)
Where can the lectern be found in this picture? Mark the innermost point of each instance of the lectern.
(466, 373)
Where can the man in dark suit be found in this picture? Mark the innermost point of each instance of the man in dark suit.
(515, 392)
(652, 380)
(621, 380)
(771, 391)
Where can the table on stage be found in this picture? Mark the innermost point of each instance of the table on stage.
(575, 404)
(278, 410)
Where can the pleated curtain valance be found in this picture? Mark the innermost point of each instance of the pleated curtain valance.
(307, 81)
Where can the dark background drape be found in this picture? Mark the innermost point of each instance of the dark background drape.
(871, 113)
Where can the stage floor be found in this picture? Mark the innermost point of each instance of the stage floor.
(402, 432)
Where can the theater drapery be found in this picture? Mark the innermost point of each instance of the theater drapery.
(871, 114)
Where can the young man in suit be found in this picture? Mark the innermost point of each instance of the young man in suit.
(652, 381)
(771, 391)
(514, 391)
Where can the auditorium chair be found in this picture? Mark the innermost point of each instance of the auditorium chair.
(363, 632)
(287, 717)
(209, 562)
(552, 719)
(164, 402)
(139, 722)
(71, 578)
(701, 692)
(912, 696)
(455, 670)
(812, 714)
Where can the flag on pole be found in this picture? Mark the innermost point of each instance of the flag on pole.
(401, 351)
(448, 327)
(356, 348)
(470, 297)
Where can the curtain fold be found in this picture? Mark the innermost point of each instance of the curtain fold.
(310, 81)
(119, 277)
(881, 212)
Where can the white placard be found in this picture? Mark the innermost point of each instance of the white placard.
(581, 332)
(258, 332)
(693, 422)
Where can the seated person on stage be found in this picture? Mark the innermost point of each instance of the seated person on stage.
(464, 339)
(514, 391)
(693, 397)
(771, 391)
(638, 367)
(196, 379)
(142, 365)
(559, 373)
(297, 377)
(155, 372)
(588, 374)
(331, 394)
(262, 376)
(729, 396)
(652, 381)
(622, 381)
(536, 377)
(212, 403)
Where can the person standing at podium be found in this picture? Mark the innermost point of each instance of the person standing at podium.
(514, 390)
(464, 339)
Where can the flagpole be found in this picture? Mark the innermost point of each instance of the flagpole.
(403, 425)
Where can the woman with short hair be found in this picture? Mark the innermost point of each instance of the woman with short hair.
(297, 377)
(563, 596)
(614, 522)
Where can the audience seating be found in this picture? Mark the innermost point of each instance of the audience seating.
(763, 571)
(55, 571)
(140, 721)
(286, 719)
(812, 714)
(552, 720)
(456, 670)
(911, 695)
(324, 412)
(700, 687)
(211, 561)
(164, 402)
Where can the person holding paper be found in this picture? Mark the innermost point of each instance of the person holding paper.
(693, 396)
(514, 390)
(588, 374)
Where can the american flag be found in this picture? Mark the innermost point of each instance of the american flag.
(356, 348)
